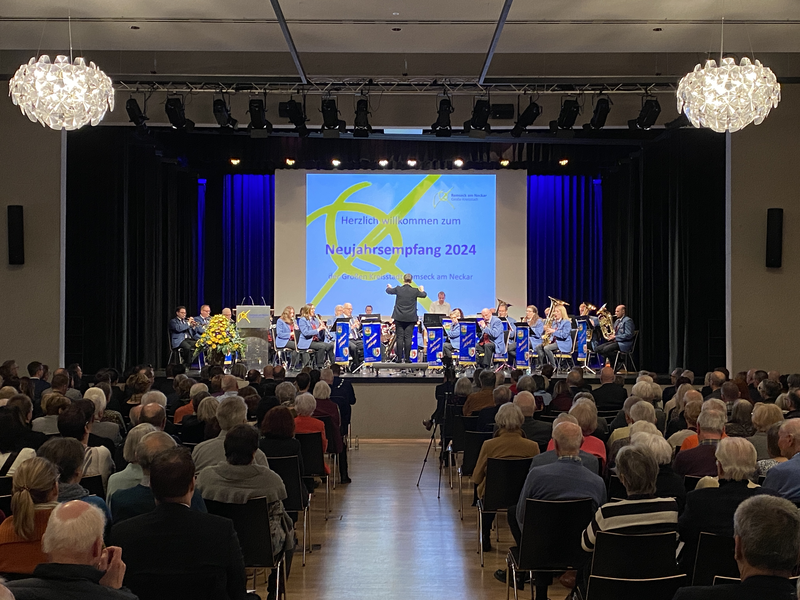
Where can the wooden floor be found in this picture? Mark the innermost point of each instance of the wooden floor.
(386, 536)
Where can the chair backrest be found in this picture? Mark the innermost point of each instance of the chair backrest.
(251, 522)
(94, 484)
(690, 482)
(451, 412)
(5, 495)
(462, 424)
(473, 441)
(551, 534)
(505, 478)
(611, 588)
(635, 556)
(331, 433)
(635, 338)
(313, 456)
(615, 488)
(608, 415)
(714, 558)
(288, 468)
(177, 585)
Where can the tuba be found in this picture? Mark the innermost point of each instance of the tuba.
(589, 308)
(606, 322)
(548, 337)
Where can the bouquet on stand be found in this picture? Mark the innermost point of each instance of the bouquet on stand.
(219, 339)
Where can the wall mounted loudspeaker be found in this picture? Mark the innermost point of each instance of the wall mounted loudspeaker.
(16, 236)
(774, 237)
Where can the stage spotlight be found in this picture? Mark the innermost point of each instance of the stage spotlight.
(383, 162)
(505, 162)
(441, 127)
(289, 162)
(295, 112)
(223, 114)
(336, 162)
(235, 161)
(564, 162)
(478, 125)
(361, 126)
(681, 121)
(258, 115)
(176, 114)
(331, 123)
(570, 110)
(411, 162)
(601, 109)
(526, 119)
(647, 116)
(135, 114)
(458, 163)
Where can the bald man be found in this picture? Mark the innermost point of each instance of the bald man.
(609, 396)
(491, 338)
(621, 340)
(784, 478)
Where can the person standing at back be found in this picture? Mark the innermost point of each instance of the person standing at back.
(405, 314)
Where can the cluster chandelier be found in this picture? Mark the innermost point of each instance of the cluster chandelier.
(62, 95)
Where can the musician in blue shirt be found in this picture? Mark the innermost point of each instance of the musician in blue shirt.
(622, 338)
(312, 336)
(510, 330)
(536, 325)
(561, 340)
(284, 332)
(452, 345)
(356, 343)
(202, 321)
(492, 338)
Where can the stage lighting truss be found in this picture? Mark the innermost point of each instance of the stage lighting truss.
(361, 126)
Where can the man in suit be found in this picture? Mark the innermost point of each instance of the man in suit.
(405, 314)
(181, 334)
(767, 543)
(36, 371)
(202, 321)
(493, 340)
(206, 546)
(622, 338)
(609, 396)
(355, 343)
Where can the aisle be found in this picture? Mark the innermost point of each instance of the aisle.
(388, 538)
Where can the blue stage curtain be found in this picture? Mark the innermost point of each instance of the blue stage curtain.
(248, 238)
(565, 240)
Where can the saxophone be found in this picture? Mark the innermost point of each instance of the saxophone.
(547, 338)
(606, 322)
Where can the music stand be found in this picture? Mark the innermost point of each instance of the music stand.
(373, 318)
(432, 320)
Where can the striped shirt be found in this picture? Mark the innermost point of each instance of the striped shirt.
(636, 515)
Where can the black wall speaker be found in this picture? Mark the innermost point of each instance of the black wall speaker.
(774, 237)
(16, 236)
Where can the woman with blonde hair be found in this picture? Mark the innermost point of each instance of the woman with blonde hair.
(763, 416)
(34, 495)
(560, 337)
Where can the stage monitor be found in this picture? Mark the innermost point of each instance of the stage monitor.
(365, 230)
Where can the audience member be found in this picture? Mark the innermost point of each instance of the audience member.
(105, 429)
(502, 395)
(277, 430)
(674, 407)
(769, 391)
(11, 455)
(775, 457)
(701, 461)
(343, 394)
(198, 391)
(139, 384)
(72, 423)
(715, 381)
(740, 423)
(693, 441)
(304, 405)
(327, 408)
(52, 405)
(202, 425)
(132, 474)
(205, 546)
(21, 408)
(484, 398)
(34, 494)
(764, 416)
(668, 483)
(635, 409)
(535, 430)
(609, 396)
(784, 478)
(690, 413)
(585, 412)
(672, 389)
(589, 461)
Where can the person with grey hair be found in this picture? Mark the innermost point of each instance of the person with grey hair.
(715, 381)
(232, 411)
(701, 461)
(668, 483)
(132, 474)
(501, 395)
(154, 396)
(784, 478)
(766, 533)
(285, 393)
(79, 566)
(633, 412)
(106, 429)
(327, 408)
(642, 511)
(535, 430)
(711, 509)
(590, 461)
(304, 405)
(508, 442)
(585, 412)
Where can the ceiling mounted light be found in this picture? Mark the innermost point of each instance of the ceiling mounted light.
(441, 127)
(257, 110)
(458, 163)
(62, 95)
(505, 162)
(361, 126)
(526, 119)
(331, 123)
(570, 109)
(336, 162)
(383, 162)
(563, 162)
(411, 162)
(648, 115)
(176, 113)
(478, 125)
(601, 109)
(295, 112)
(135, 114)
(223, 114)
(728, 97)
(289, 162)
(236, 161)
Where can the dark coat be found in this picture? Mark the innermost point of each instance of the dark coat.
(610, 396)
(405, 305)
(53, 581)
(759, 587)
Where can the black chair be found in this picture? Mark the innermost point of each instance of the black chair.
(94, 485)
(297, 496)
(614, 588)
(251, 522)
(505, 478)
(616, 491)
(690, 482)
(473, 441)
(314, 462)
(551, 541)
(447, 432)
(176, 585)
(461, 424)
(626, 356)
(648, 556)
(333, 451)
(714, 558)
(5, 494)
(608, 415)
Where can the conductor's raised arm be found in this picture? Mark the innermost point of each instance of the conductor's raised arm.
(421, 293)
(391, 290)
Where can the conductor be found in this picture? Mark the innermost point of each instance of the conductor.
(405, 314)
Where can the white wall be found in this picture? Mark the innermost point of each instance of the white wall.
(32, 295)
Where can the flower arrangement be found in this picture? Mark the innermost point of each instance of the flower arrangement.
(221, 337)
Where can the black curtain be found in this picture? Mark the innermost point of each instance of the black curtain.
(131, 247)
(664, 248)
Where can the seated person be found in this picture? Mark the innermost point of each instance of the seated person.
(585, 412)
(78, 565)
(132, 474)
(104, 429)
(53, 404)
(784, 478)
(34, 495)
(205, 546)
(763, 417)
(501, 395)
(11, 457)
(775, 455)
(277, 431)
(535, 430)
(202, 425)
(73, 423)
(701, 461)
(181, 334)
(304, 405)
(668, 483)
(693, 441)
(197, 391)
(587, 460)
(484, 398)
(327, 408)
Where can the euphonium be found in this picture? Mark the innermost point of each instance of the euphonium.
(589, 308)
(547, 338)
(606, 322)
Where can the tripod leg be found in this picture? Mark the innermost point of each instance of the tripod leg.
(430, 444)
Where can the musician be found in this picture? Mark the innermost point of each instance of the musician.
(312, 336)
(492, 340)
(368, 309)
(622, 338)
(284, 332)
(561, 336)
(226, 312)
(405, 314)
(202, 321)
(440, 307)
(356, 343)
(338, 311)
(510, 333)
(181, 334)
(536, 325)
(592, 325)
(453, 342)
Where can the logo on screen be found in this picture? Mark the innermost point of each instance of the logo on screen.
(442, 196)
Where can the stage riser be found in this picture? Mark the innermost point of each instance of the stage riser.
(392, 410)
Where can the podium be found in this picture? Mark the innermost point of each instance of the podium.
(255, 323)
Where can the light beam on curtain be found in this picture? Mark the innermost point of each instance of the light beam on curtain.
(565, 240)
(248, 232)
